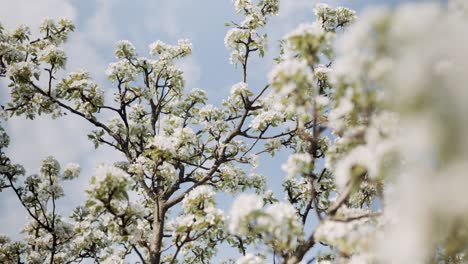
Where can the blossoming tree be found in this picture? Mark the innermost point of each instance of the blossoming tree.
(372, 111)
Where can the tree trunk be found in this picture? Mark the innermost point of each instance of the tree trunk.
(158, 232)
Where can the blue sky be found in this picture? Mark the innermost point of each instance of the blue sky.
(100, 23)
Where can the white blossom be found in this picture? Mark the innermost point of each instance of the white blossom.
(242, 207)
(282, 225)
(200, 193)
(164, 144)
(313, 29)
(241, 5)
(250, 259)
(337, 116)
(233, 36)
(72, 170)
(271, 117)
(125, 49)
(47, 23)
(22, 71)
(105, 174)
(348, 236)
(297, 163)
(289, 70)
(53, 55)
(121, 69)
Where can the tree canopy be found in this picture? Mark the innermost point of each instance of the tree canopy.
(371, 110)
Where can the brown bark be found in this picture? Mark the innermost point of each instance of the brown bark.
(158, 232)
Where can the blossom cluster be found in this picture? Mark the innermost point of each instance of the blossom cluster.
(278, 224)
(373, 119)
(244, 37)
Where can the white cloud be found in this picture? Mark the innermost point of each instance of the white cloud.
(192, 71)
(33, 140)
(84, 55)
(290, 7)
(164, 16)
(100, 29)
(13, 217)
(65, 138)
(29, 12)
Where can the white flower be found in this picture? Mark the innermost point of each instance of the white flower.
(314, 29)
(198, 195)
(71, 171)
(22, 71)
(253, 160)
(271, 117)
(290, 70)
(53, 55)
(240, 89)
(197, 95)
(349, 236)
(120, 69)
(321, 9)
(234, 35)
(183, 221)
(169, 173)
(114, 259)
(321, 72)
(157, 47)
(125, 49)
(459, 7)
(322, 100)
(250, 259)
(164, 144)
(282, 225)
(336, 117)
(184, 135)
(242, 5)
(358, 157)
(332, 18)
(46, 23)
(184, 47)
(168, 52)
(297, 163)
(8, 50)
(106, 172)
(4, 139)
(242, 207)
(209, 111)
